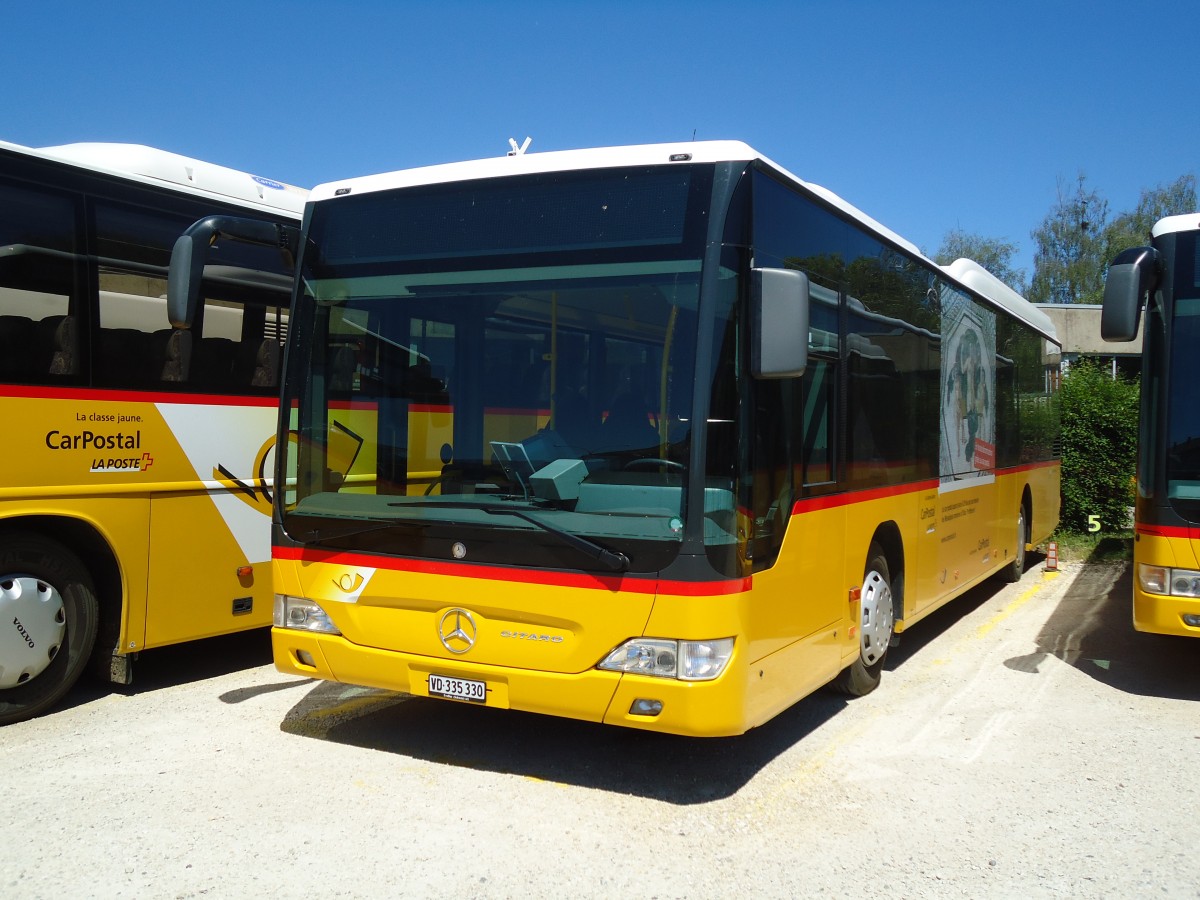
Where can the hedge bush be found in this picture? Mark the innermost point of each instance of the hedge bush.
(1099, 448)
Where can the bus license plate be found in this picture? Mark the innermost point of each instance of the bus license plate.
(457, 688)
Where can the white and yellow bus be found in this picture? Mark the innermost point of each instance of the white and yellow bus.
(135, 500)
(1163, 281)
(658, 436)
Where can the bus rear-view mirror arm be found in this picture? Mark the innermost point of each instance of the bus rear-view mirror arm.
(191, 250)
(1133, 275)
(779, 323)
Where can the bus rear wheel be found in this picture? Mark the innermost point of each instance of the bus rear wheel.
(1012, 572)
(48, 619)
(877, 616)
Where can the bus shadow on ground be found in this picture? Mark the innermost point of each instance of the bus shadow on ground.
(672, 769)
(929, 629)
(165, 667)
(668, 768)
(1091, 629)
(200, 660)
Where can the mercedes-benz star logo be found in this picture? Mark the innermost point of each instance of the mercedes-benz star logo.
(457, 630)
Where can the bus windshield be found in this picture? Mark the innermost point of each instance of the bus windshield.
(481, 372)
(1183, 397)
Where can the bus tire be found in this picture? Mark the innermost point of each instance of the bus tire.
(48, 621)
(877, 616)
(1012, 572)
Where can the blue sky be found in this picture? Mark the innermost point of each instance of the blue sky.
(928, 116)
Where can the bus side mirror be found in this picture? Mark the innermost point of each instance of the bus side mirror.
(184, 276)
(191, 250)
(1132, 276)
(779, 323)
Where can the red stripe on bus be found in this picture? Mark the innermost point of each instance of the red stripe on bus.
(612, 583)
(846, 498)
(831, 501)
(515, 411)
(107, 395)
(1168, 531)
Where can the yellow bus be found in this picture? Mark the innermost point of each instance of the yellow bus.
(135, 500)
(1164, 280)
(659, 436)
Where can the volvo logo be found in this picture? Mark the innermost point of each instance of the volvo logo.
(456, 629)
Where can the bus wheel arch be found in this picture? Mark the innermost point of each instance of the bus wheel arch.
(880, 604)
(93, 550)
(44, 580)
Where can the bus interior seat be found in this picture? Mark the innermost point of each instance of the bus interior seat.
(64, 357)
(627, 426)
(177, 355)
(266, 364)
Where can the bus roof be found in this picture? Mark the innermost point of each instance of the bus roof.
(974, 276)
(971, 277)
(136, 162)
(1172, 224)
(595, 158)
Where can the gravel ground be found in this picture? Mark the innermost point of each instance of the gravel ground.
(1025, 743)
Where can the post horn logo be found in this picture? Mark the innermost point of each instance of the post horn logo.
(456, 630)
(349, 583)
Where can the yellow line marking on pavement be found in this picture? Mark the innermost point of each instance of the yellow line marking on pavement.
(1015, 604)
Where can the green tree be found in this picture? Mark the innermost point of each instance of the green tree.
(993, 254)
(1132, 229)
(1099, 447)
(1069, 262)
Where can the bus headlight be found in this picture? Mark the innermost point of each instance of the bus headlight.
(685, 660)
(302, 615)
(1164, 580)
(704, 660)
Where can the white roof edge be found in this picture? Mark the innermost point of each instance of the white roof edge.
(534, 163)
(1172, 224)
(967, 273)
(595, 158)
(975, 277)
(137, 162)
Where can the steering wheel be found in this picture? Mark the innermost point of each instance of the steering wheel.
(653, 462)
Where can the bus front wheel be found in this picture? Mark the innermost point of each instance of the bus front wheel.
(48, 619)
(876, 619)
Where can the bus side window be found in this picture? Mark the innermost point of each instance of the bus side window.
(40, 275)
(817, 426)
(132, 340)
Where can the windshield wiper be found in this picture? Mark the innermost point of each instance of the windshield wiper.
(610, 559)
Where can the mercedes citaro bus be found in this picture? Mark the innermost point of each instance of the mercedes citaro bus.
(1163, 281)
(659, 436)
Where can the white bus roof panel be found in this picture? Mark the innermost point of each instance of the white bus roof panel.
(1172, 224)
(136, 162)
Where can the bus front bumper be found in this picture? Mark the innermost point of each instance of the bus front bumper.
(699, 709)
(1161, 614)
